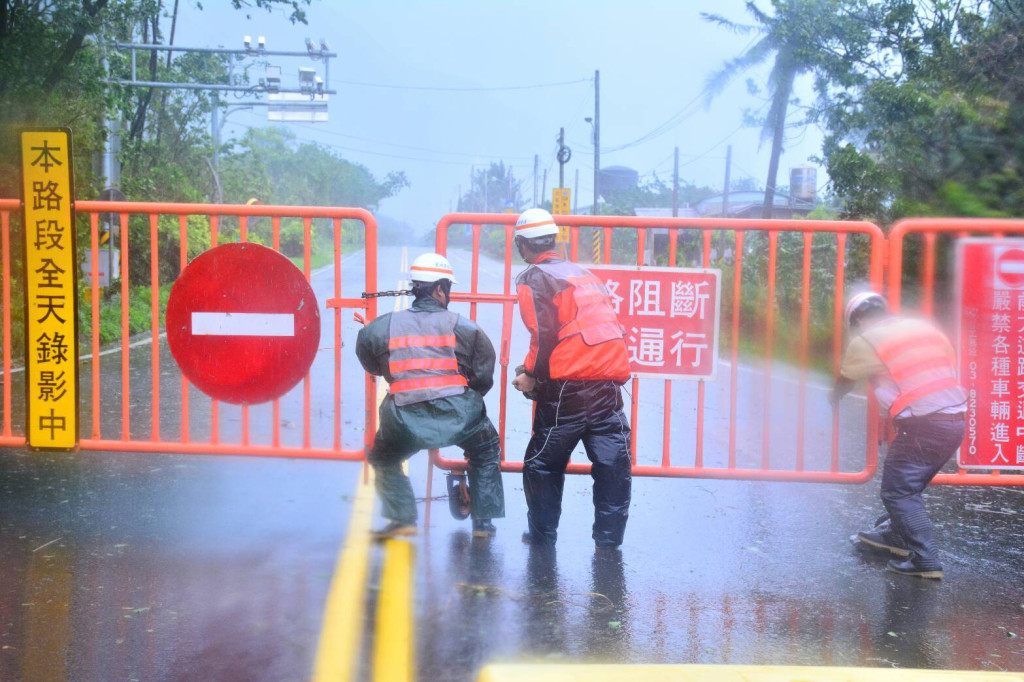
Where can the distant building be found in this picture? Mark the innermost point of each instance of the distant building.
(748, 204)
(686, 211)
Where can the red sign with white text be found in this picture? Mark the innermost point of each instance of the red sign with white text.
(990, 315)
(671, 318)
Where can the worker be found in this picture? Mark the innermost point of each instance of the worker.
(438, 365)
(910, 365)
(576, 363)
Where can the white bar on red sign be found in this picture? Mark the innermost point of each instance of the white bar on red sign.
(243, 324)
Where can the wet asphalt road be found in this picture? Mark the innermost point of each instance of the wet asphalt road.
(120, 566)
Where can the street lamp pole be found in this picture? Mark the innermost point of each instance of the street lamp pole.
(597, 137)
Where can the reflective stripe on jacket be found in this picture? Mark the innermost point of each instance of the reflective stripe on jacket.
(421, 358)
(574, 333)
(921, 364)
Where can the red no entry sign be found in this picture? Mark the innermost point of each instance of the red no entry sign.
(1010, 267)
(243, 323)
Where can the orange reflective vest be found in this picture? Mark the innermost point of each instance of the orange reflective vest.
(588, 343)
(594, 318)
(920, 362)
(421, 357)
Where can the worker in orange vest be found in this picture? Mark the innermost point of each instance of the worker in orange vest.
(575, 365)
(438, 365)
(911, 367)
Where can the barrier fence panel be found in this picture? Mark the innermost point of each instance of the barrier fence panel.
(921, 281)
(766, 414)
(148, 246)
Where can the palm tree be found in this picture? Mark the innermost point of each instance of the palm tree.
(790, 35)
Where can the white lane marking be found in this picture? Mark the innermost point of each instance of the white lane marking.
(243, 324)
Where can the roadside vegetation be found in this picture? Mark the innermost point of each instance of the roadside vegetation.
(52, 74)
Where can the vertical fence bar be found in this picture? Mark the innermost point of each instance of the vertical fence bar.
(337, 335)
(737, 285)
(475, 271)
(275, 433)
(634, 408)
(94, 298)
(506, 337)
(154, 316)
(214, 404)
(125, 331)
(370, 282)
(699, 456)
(574, 244)
(243, 237)
(666, 425)
(183, 256)
(769, 349)
(606, 246)
(837, 340)
(928, 275)
(5, 238)
(307, 257)
(805, 306)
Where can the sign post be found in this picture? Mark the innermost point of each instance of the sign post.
(671, 318)
(51, 290)
(561, 205)
(990, 317)
(243, 323)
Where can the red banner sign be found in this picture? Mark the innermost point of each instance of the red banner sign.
(670, 316)
(990, 314)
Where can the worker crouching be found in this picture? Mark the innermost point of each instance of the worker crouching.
(438, 366)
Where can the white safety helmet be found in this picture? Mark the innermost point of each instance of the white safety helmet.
(535, 222)
(430, 267)
(862, 302)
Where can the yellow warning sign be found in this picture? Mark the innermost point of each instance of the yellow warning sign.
(51, 295)
(560, 205)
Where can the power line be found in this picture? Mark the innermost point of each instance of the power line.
(365, 151)
(418, 149)
(430, 88)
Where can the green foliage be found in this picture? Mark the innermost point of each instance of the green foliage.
(139, 313)
(925, 117)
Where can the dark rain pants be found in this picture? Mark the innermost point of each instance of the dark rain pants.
(919, 451)
(568, 412)
(397, 500)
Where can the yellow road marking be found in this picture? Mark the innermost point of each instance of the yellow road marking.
(393, 649)
(341, 635)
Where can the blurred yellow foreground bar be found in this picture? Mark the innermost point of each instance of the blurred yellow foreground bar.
(726, 673)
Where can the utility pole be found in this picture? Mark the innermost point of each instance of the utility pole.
(597, 137)
(725, 192)
(576, 194)
(564, 154)
(536, 164)
(725, 200)
(544, 187)
(675, 185)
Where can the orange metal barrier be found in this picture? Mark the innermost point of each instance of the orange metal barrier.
(798, 237)
(328, 443)
(921, 295)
